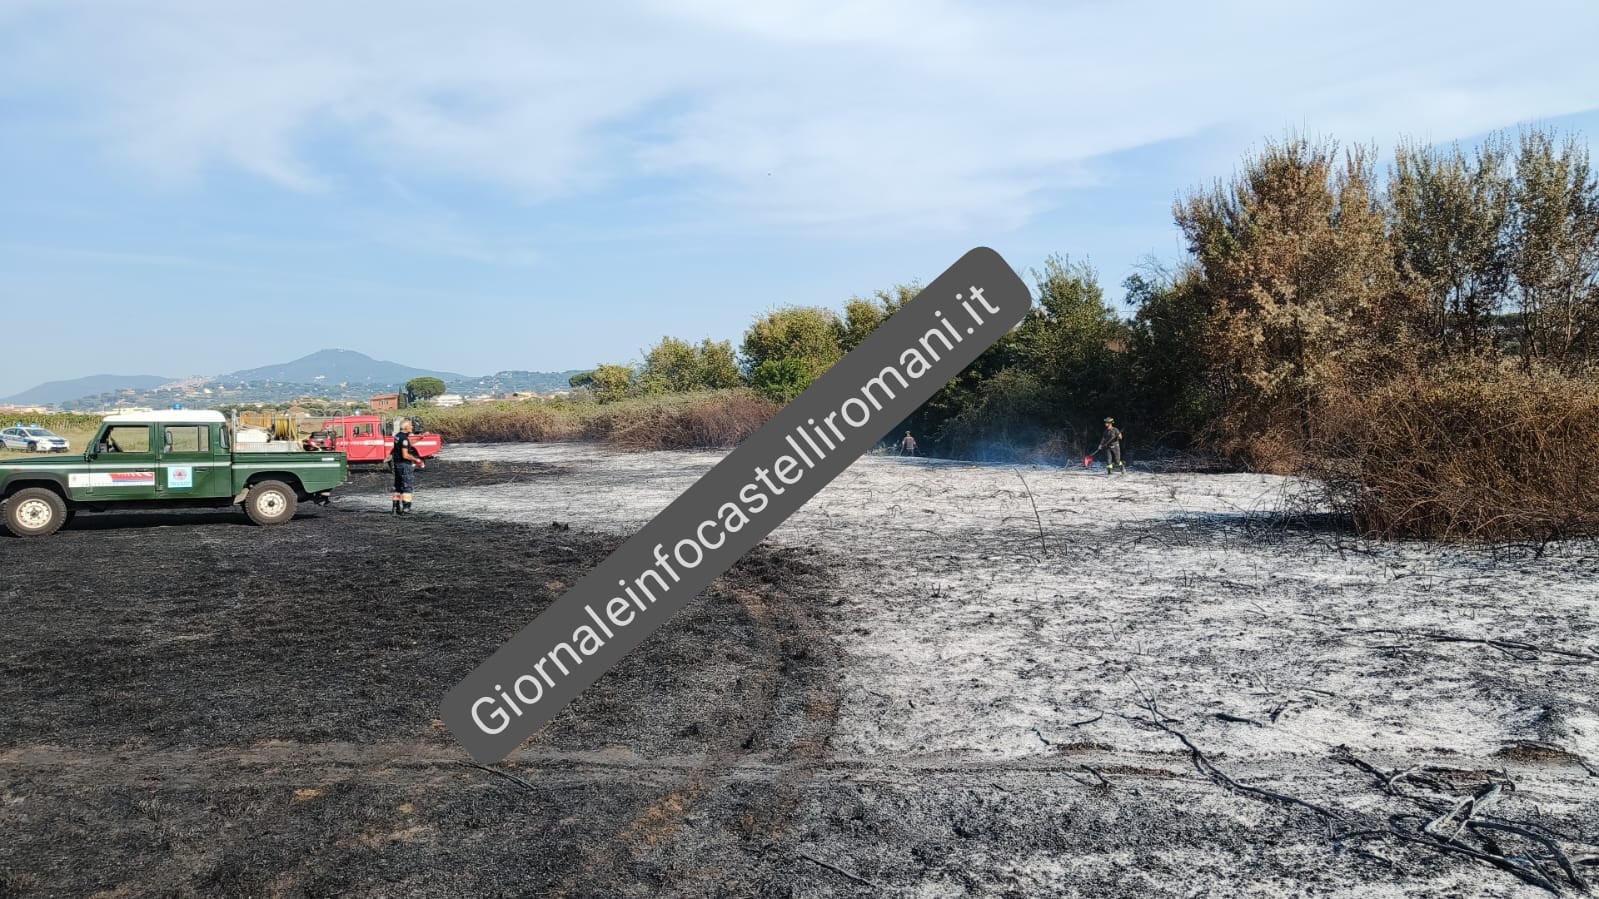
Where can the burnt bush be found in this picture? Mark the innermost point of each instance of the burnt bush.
(1468, 451)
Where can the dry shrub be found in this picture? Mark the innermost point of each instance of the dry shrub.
(1278, 450)
(707, 420)
(518, 422)
(1469, 452)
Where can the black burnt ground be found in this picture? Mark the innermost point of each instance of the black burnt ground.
(442, 474)
(195, 705)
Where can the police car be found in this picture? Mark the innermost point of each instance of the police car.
(34, 439)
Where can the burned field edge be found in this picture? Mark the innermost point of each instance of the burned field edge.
(245, 711)
(180, 688)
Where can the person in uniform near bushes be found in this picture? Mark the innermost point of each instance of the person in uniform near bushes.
(908, 444)
(405, 462)
(1111, 444)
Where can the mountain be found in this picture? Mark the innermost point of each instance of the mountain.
(336, 367)
(327, 375)
(52, 392)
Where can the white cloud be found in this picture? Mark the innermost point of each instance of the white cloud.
(821, 115)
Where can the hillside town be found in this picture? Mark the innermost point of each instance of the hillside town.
(326, 381)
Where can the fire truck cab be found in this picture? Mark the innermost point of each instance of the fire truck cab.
(368, 439)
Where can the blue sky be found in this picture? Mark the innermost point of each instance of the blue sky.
(193, 188)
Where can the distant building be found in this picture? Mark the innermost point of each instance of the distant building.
(385, 401)
(445, 400)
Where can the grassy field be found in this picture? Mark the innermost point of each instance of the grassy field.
(79, 429)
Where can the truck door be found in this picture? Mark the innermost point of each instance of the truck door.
(123, 465)
(337, 431)
(189, 467)
(366, 445)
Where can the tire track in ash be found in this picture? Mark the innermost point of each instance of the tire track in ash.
(762, 713)
(286, 764)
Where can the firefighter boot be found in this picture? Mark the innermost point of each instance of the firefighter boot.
(396, 507)
(405, 509)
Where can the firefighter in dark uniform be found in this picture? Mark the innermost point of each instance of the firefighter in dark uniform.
(1111, 443)
(405, 462)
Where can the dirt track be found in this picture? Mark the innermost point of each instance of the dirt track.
(199, 707)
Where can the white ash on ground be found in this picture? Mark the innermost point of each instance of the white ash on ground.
(967, 631)
(994, 617)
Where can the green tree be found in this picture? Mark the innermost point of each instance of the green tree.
(671, 366)
(1010, 410)
(1062, 368)
(675, 366)
(1167, 354)
(863, 315)
(718, 366)
(808, 334)
(425, 388)
(1449, 232)
(1074, 344)
(781, 379)
(611, 382)
(1554, 252)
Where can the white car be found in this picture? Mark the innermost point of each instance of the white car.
(34, 440)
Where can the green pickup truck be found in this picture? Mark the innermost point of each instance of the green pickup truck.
(166, 460)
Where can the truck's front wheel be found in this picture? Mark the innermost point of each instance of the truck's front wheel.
(35, 512)
(270, 502)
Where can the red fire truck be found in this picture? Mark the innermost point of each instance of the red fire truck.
(369, 438)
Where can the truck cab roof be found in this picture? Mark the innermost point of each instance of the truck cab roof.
(174, 416)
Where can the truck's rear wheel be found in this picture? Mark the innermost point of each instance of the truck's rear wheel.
(270, 502)
(35, 512)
